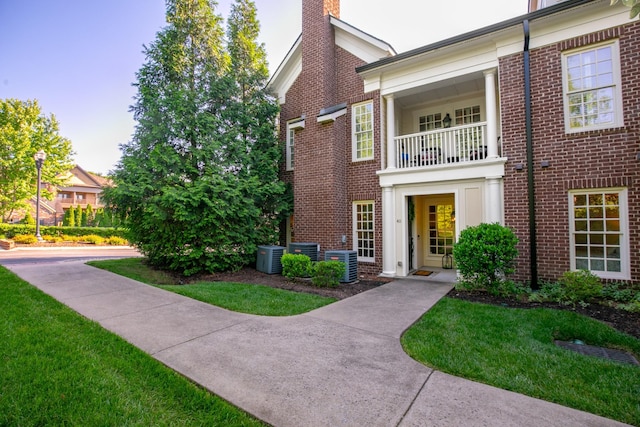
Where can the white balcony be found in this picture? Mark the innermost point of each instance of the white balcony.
(467, 143)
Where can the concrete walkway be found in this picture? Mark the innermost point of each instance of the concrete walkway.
(341, 365)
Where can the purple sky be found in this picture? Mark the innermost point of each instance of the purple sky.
(78, 58)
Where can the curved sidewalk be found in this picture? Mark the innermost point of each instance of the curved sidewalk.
(340, 365)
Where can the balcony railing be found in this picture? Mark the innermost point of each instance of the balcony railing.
(466, 143)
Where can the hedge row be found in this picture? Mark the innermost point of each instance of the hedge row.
(10, 230)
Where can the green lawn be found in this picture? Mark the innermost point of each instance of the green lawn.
(244, 298)
(58, 368)
(513, 349)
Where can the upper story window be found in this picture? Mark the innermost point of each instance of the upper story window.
(362, 131)
(291, 136)
(592, 92)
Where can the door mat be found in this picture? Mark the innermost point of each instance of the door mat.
(422, 273)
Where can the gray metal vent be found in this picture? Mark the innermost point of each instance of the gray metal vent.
(309, 249)
(350, 258)
(268, 260)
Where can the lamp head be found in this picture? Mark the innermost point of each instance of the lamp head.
(39, 157)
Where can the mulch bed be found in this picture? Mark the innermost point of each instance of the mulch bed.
(252, 276)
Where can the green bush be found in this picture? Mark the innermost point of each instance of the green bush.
(116, 241)
(328, 273)
(620, 292)
(485, 255)
(28, 219)
(549, 291)
(11, 230)
(52, 239)
(26, 239)
(296, 265)
(92, 238)
(580, 286)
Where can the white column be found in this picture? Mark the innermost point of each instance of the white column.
(492, 118)
(391, 132)
(494, 201)
(388, 233)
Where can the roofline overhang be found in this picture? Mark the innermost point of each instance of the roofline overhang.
(559, 7)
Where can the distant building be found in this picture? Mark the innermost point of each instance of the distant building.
(82, 189)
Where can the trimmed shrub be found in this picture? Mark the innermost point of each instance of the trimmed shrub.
(28, 219)
(295, 265)
(580, 286)
(116, 241)
(25, 239)
(52, 239)
(485, 255)
(92, 238)
(328, 273)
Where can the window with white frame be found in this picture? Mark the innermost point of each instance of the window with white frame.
(362, 131)
(289, 155)
(467, 115)
(592, 90)
(364, 230)
(598, 228)
(430, 122)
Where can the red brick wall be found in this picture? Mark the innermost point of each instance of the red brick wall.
(594, 159)
(325, 181)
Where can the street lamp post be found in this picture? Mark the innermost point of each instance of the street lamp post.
(39, 158)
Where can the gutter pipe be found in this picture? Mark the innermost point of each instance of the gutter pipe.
(530, 179)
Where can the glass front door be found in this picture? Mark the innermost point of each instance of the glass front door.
(440, 227)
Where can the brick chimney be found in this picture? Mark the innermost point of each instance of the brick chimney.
(318, 52)
(321, 155)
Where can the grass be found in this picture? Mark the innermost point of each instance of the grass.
(244, 298)
(513, 349)
(59, 368)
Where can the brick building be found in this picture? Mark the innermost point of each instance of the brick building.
(532, 122)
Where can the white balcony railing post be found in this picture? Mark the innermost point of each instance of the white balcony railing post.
(441, 146)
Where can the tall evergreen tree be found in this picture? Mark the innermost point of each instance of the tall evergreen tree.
(253, 114)
(180, 183)
(90, 216)
(78, 218)
(69, 217)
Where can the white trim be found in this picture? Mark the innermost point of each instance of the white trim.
(354, 209)
(354, 142)
(618, 119)
(287, 73)
(331, 117)
(623, 206)
(292, 127)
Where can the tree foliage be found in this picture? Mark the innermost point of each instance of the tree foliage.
(24, 131)
(634, 5)
(197, 183)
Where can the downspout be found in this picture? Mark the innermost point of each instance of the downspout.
(533, 247)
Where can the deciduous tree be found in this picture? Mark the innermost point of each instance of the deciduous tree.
(24, 130)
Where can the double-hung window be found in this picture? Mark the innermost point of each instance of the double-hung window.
(592, 92)
(291, 135)
(364, 230)
(599, 232)
(362, 131)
